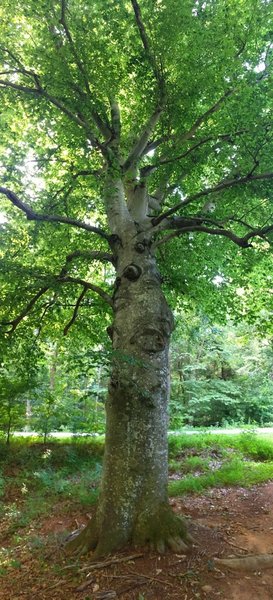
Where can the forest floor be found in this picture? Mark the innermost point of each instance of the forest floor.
(224, 522)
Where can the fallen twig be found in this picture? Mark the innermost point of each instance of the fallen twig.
(60, 582)
(73, 566)
(84, 585)
(155, 578)
(236, 546)
(107, 563)
(108, 595)
(131, 587)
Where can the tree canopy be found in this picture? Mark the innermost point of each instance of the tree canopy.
(193, 83)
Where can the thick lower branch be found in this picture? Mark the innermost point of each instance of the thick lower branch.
(33, 216)
(88, 286)
(62, 279)
(87, 255)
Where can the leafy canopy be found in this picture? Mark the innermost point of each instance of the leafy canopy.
(180, 93)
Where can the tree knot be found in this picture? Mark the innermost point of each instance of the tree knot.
(132, 272)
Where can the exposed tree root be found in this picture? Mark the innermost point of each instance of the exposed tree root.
(82, 541)
(162, 528)
(159, 527)
(249, 563)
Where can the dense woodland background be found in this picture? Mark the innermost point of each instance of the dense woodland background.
(222, 374)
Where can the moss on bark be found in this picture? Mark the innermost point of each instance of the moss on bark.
(160, 527)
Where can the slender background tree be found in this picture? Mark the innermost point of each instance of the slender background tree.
(125, 127)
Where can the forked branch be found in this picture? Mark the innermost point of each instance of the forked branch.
(87, 255)
(89, 286)
(60, 279)
(179, 139)
(115, 119)
(142, 141)
(15, 322)
(224, 137)
(214, 108)
(41, 92)
(213, 228)
(227, 183)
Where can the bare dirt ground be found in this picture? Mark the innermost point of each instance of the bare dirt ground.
(224, 522)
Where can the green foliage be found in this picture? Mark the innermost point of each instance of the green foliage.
(189, 464)
(220, 374)
(209, 54)
(2, 485)
(247, 443)
(236, 472)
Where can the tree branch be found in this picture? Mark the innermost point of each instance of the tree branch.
(260, 232)
(40, 92)
(88, 255)
(89, 286)
(76, 310)
(15, 322)
(68, 190)
(212, 190)
(33, 216)
(197, 224)
(228, 137)
(191, 132)
(103, 127)
(62, 278)
(115, 119)
(242, 242)
(149, 53)
(141, 143)
(151, 123)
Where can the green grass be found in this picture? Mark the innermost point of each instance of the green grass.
(192, 463)
(243, 459)
(249, 443)
(235, 472)
(35, 477)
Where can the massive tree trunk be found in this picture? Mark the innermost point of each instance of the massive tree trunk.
(133, 503)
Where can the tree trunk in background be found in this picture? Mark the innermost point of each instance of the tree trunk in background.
(133, 503)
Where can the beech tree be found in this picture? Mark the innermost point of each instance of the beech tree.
(126, 126)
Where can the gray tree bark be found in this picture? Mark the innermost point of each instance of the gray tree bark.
(133, 502)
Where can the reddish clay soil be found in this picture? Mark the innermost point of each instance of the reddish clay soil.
(224, 523)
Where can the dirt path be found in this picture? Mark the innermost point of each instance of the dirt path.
(224, 522)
